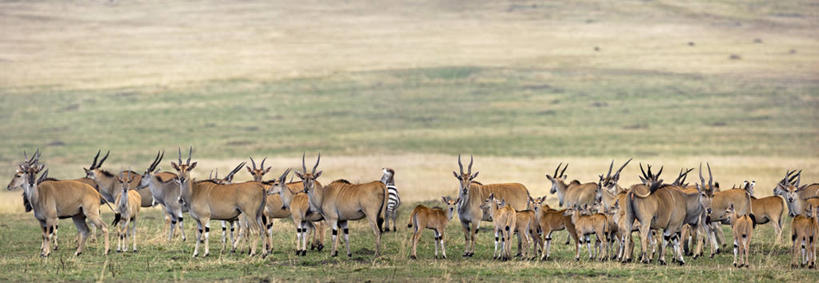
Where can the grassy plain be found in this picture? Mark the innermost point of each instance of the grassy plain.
(522, 85)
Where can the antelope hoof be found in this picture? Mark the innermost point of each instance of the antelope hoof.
(662, 262)
(206, 254)
(413, 257)
(577, 259)
(320, 247)
(680, 262)
(349, 255)
(135, 250)
(334, 254)
(443, 257)
(119, 251)
(386, 229)
(471, 254)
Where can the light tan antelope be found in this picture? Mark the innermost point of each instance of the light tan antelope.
(340, 202)
(51, 200)
(258, 173)
(208, 201)
(127, 204)
(742, 227)
(656, 207)
(472, 195)
(804, 234)
(549, 221)
(293, 199)
(503, 220)
(525, 229)
(165, 192)
(767, 209)
(435, 219)
(573, 193)
(586, 224)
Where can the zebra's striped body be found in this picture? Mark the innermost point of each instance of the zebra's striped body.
(393, 199)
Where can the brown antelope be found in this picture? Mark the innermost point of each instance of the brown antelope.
(127, 204)
(607, 187)
(293, 199)
(573, 193)
(51, 200)
(805, 233)
(656, 207)
(586, 224)
(551, 220)
(767, 209)
(472, 195)
(206, 201)
(718, 201)
(340, 201)
(526, 227)
(17, 183)
(503, 220)
(742, 227)
(435, 219)
(165, 191)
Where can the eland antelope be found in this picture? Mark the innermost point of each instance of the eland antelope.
(340, 202)
(165, 192)
(472, 194)
(435, 219)
(503, 220)
(573, 193)
(127, 205)
(549, 221)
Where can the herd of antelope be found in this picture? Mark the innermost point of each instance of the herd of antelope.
(686, 217)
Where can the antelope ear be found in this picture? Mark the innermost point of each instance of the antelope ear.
(317, 175)
(249, 170)
(474, 175)
(565, 176)
(193, 165)
(456, 175)
(298, 174)
(173, 164)
(549, 177)
(267, 170)
(445, 199)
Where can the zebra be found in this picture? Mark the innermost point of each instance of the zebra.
(393, 201)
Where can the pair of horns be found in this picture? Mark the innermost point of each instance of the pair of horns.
(261, 167)
(611, 166)
(710, 176)
(159, 156)
(190, 153)
(304, 166)
(564, 169)
(94, 164)
(461, 165)
(650, 175)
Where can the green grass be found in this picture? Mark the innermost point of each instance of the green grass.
(157, 260)
(485, 111)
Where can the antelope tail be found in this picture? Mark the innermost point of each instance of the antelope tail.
(117, 215)
(630, 214)
(412, 218)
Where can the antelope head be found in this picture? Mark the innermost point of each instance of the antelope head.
(94, 170)
(609, 182)
(280, 187)
(229, 177)
(789, 179)
(538, 204)
(125, 180)
(20, 173)
(490, 205)
(706, 190)
(183, 178)
(30, 185)
(464, 179)
(558, 180)
(151, 170)
(309, 178)
(183, 170)
(451, 205)
(790, 191)
(258, 173)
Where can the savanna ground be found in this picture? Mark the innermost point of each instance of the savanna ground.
(522, 85)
